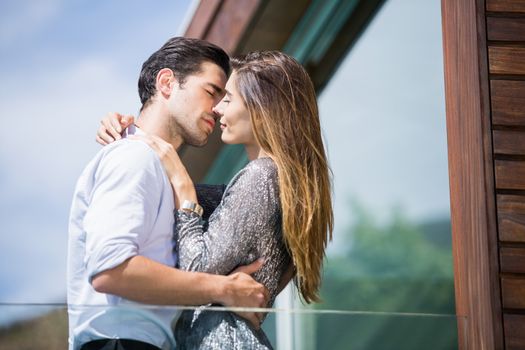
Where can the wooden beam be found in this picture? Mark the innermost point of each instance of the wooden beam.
(202, 19)
(223, 22)
(473, 213)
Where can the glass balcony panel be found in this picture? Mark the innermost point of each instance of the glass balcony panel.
(45, 326)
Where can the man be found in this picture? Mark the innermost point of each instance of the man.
(121, 222)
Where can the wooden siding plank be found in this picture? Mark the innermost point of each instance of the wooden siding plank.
(202, 17)
(509, 142)
(506, 5)
(506, 29)
(508, 102)
(510, 175)
(514, 334)
(506, 60)
(512, 260)
(471, 174)
(511, 218)
(513, 292)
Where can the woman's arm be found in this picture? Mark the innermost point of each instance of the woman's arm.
(183, 188)
(245, 223)
(111, 127)
(245, 226)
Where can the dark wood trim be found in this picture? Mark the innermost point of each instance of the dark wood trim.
(273, 25)
(506, 5)
(202, 18)
(510, 174)
(513, 291)
(512, 260)
(511, 221)
(473, 210)
(223, 22)
(507, 102)
(229, 26)
(505, 29)
(514, 325)
(509, 142)
(507, 60)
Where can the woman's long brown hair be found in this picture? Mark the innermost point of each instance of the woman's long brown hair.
(281, 100)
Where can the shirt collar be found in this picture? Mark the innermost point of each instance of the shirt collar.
(133, 130)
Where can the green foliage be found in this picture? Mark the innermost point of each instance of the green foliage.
(398, 266)
(398, 248)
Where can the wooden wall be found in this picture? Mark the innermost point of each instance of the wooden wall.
(484, 56)
(506, 57)
(471, 175)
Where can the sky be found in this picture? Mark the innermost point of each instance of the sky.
(64, 65)
(383, 119)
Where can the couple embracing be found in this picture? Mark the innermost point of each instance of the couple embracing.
(141, 234)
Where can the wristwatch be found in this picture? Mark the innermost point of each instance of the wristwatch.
(192, 207)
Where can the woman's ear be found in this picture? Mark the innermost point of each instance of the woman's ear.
(165, 81)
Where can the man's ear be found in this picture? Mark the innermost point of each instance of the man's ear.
(165, 81)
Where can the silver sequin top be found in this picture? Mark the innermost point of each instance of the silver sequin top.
(246, 225)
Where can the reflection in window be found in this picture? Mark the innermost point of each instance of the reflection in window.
(383, 116)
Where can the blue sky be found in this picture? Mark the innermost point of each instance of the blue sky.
(383, 118)
(65, 64)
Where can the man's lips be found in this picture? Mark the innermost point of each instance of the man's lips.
(210, 122)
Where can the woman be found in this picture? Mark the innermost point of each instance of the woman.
(278, 206)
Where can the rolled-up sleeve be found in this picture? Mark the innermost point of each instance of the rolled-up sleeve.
(122, 207)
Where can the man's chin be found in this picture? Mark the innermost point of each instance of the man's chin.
(197, 143)
(197, 139)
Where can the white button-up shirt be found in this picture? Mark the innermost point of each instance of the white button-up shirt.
(122, 206)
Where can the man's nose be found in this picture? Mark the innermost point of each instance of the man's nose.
(217, 111)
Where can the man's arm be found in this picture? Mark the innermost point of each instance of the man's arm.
(146, 281)
(119, 220)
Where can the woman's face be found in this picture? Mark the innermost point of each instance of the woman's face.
(235, 120)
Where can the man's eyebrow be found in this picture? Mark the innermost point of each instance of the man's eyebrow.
(216, 88)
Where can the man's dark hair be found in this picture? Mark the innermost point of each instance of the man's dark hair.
(184, 57)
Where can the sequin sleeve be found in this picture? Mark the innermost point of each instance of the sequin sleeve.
(245, 226)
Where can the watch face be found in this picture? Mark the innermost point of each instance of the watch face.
(193, 207)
